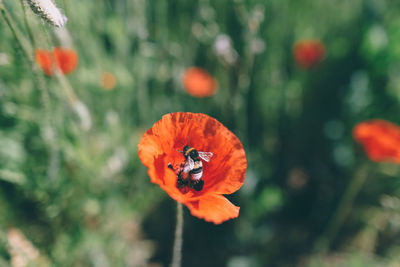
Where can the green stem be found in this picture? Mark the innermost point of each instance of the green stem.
(44, 95)
(28, 29)
(23, 44)
(177, 252)
(69, 92)
(26, 48)
(343, 210)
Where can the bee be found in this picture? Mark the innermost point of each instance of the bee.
(190, 172)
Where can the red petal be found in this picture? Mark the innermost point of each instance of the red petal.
(44, 60)
(199, 83)
(152, 155)
(380, 139)
(66, 59)
(225, 172)
(213, 208)
(308, 53)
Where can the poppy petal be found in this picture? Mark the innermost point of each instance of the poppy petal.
(213, 208)
(380, 139)
(227, 173)
(44, 60)
(66, 59)
(308, 53)
(153, 157)
(198, 82)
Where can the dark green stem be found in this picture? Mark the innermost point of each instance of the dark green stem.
(343, 210)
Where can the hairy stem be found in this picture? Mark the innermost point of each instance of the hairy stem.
(177, 252)
(25, 47)
(28, 29)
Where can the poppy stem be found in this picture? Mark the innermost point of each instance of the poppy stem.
(343, 210)
(177, 252)
(20, 41)
(48, 121)
(78, 106)
(28, 29)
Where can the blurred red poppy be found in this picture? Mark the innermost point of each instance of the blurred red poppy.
(308, 53)
(199, 83)
(66, 60)
(380, 139)
(44, 60)
(223, 174)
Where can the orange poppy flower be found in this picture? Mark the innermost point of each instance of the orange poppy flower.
(308, 53)
(44, 60)
(108, 80)
(161, 151)
(380, 139)
(199, 83)
(66, 60)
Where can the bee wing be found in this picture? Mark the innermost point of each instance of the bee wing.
(189, 165)
(206, 156)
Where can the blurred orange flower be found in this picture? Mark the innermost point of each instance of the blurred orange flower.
(223, 174)
(199, 83)
(308, 53)
(66, 60)
(108, 80)
(380, 139)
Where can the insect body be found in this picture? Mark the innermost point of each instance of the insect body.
(190, 172)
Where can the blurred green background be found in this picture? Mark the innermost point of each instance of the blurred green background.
(73, 191)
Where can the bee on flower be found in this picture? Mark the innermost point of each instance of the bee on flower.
(190, 172)
(212, 163)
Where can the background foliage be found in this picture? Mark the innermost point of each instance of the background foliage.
(310, 198)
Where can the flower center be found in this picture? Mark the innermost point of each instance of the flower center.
(189, 172)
